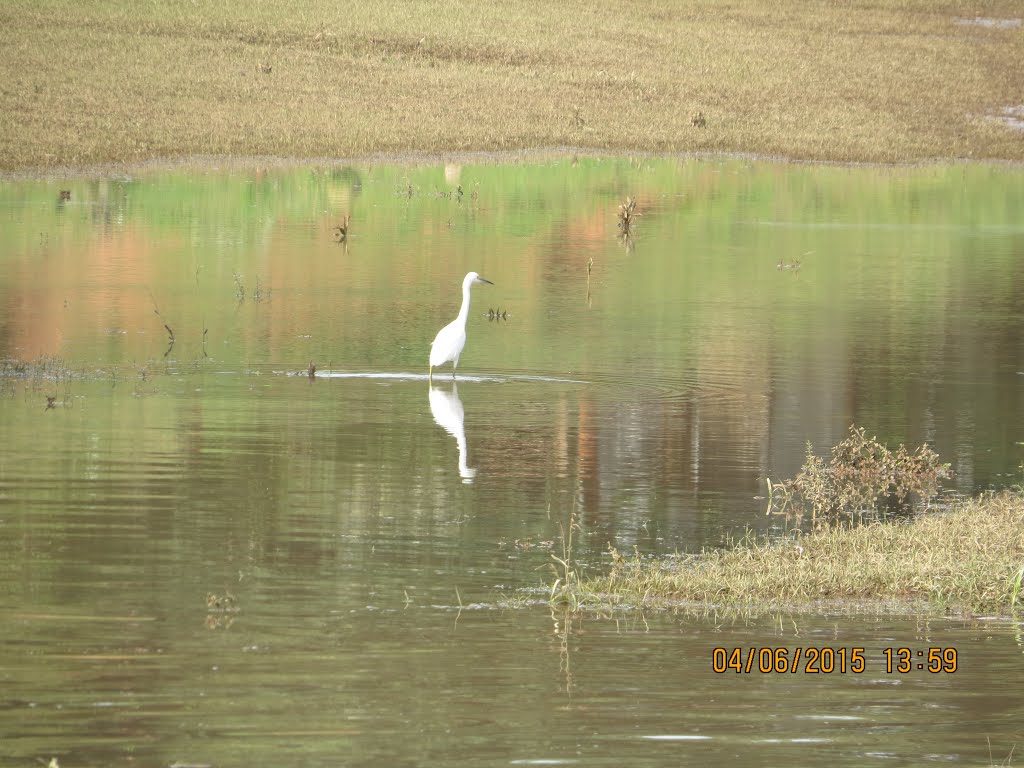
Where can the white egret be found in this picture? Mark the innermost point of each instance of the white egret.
(448, 344)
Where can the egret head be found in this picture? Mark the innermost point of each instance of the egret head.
(473, 277)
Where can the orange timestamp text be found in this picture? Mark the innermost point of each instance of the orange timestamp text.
(828, 660)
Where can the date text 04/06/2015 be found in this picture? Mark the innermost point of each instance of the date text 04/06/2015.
(828, 660)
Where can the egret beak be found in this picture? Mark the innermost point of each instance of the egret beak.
(483, 280)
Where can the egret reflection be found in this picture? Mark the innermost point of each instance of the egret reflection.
(446, 407)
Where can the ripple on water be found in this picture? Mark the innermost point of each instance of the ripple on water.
(440, 378)
(635, 385)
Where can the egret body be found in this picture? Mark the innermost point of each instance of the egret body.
(448, 344)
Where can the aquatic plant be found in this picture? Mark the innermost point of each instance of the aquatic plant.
(860, 475)
(259, 294)
(46, 372)
(341, 230)
(220, 610)
(226, 602)
(625, 215)
(566, 589)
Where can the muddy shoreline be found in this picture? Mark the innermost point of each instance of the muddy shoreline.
(230, 163)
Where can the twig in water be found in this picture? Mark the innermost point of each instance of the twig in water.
(170, 333)
(590, 267)
(341, 230)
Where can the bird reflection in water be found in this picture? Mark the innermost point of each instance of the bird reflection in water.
(446, 408)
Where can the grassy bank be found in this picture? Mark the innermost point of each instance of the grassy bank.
(969, 557)
(106, 81)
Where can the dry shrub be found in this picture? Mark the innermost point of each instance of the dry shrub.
(861, 475)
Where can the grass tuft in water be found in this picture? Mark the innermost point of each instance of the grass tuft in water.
(340, 231)
(1009, 757)
(626, 214)
(968, 557)
(566, 590)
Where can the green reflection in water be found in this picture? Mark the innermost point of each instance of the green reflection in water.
(756, 306)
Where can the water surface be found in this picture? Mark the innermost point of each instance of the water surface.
(208, 557)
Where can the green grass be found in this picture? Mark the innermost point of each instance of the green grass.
(967, 558)
(893, 81)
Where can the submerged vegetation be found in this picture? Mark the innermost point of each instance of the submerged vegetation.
(103, 83)
(970, 556)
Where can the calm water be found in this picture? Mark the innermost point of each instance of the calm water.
(208, 558)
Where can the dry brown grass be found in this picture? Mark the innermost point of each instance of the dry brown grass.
(861, 474)
(107, 82)
(967, 557)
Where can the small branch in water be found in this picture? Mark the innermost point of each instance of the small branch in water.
(170, 333)
(590, 267)
(341, 230)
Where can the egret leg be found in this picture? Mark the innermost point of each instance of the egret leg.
(430, 375)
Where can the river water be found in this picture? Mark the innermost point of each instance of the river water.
(209, 557)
